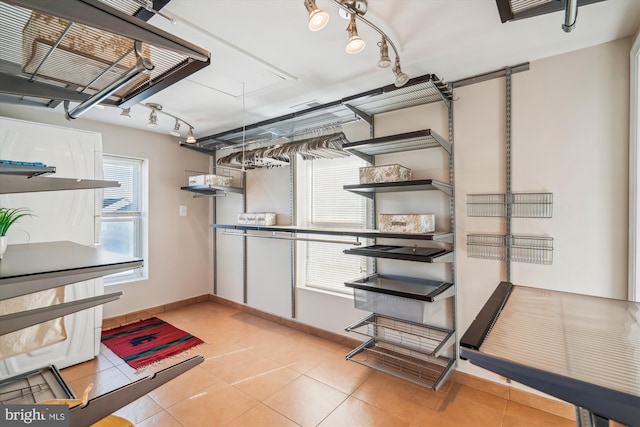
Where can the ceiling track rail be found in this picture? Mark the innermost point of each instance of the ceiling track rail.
(345, 109)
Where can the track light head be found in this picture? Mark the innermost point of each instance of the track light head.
(318, 19)
(355, 43)
(176, 129)
(384, 61)
(401, 78)
(153, 119)
(190, 138)
(126, 113)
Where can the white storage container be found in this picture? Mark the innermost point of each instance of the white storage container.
(260, 218)
(384, 173)
(407, 223)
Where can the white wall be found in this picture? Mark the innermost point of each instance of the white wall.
(569, 137)
(178, 246)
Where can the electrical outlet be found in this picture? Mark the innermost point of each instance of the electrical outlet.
(183, 210)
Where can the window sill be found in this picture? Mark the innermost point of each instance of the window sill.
(348, 296)
(124, 280)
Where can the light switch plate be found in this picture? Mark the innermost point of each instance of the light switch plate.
(183, 210)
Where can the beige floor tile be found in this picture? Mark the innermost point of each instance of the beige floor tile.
(305, 401)
(183, 386)
(99, 363)
(461, 392)
(340, 374)
(239, 365)
(390, 394)
(103, 381)
(161, 419)
(140, 409)
(517, 414)
(458, 412)
(302, 355)
(262, 416)
(264, 385)
(356, 413)
(216, 405)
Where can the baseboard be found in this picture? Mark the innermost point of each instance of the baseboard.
(552, 406)
(125, 319)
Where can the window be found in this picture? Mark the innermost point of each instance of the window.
(328, 206)
(123, 225)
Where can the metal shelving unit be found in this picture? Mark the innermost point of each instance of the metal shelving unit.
(23, 169)
(369, 190)
(409, 141)
(421, 368)
(414, 336)
(412, 366)
(522, 205)
(21, 178)
(402, 344)
(407, 253)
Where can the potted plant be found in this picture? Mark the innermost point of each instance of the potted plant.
(8, 217)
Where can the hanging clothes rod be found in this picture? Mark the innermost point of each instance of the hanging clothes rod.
(295, 239)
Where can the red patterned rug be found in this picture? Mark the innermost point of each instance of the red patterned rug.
(143, 343)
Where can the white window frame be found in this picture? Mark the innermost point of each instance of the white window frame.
(140, 223)
(303, 194)
(634, 175)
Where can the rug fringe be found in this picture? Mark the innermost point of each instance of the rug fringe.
(157, 363)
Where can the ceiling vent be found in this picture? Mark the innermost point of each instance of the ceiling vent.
(89, 52)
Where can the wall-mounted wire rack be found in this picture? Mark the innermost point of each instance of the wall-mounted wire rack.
(527, 249)
(523, 205)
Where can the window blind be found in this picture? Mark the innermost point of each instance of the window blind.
(122, 213)
(127, 197)
(330, 206)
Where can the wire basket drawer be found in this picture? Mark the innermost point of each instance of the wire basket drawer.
(389, 305)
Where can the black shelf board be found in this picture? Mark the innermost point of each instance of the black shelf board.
(388, 187)
(408, 141)
(208, 190)
(406, 253)
(400, 286)
(367, 234)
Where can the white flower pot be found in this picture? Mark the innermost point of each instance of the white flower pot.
(3, 245)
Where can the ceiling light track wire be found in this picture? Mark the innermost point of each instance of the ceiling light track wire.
(157, 108)
(401, 78)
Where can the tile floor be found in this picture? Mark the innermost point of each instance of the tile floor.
(259, 373)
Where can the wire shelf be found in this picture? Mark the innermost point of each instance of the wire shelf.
(523, 205)
(424, 370)
(527, 249)
(413, 336)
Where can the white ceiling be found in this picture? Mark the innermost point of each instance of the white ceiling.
(264, 49)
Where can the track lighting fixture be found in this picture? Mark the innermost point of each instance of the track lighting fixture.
(318, 19)
(355, 43)
(190, 138)
(355, 10)
(384, 61)
(153, 119)
(176, 129)
(401, 78)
